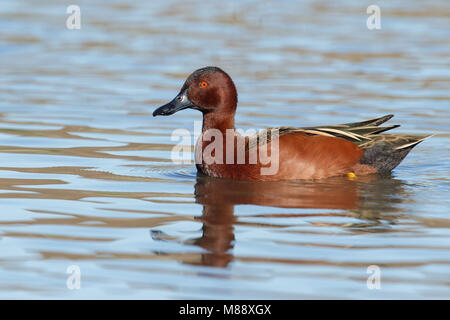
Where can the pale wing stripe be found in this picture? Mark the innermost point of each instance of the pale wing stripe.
(350, 135)
(319, 133)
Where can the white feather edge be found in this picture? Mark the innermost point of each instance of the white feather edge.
(413, 143)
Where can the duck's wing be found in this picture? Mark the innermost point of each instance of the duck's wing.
(357, 132)
(365, 134)
(381, 151)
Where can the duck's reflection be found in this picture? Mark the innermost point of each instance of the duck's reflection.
(364, 198)
(217, 234)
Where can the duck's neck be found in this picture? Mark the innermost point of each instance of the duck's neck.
(218, 121)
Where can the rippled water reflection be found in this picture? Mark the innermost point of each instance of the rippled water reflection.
(86, 177)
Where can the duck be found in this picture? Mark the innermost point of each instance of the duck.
(282, 153)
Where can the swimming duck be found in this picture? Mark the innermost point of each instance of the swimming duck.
(349, 149)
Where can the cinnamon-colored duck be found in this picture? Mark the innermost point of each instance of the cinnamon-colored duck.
(303, 153)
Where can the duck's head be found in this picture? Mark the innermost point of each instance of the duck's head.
(209, 90)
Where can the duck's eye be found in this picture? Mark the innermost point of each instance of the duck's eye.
(203, 84)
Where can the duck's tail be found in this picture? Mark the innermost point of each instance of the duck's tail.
(385, 152)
